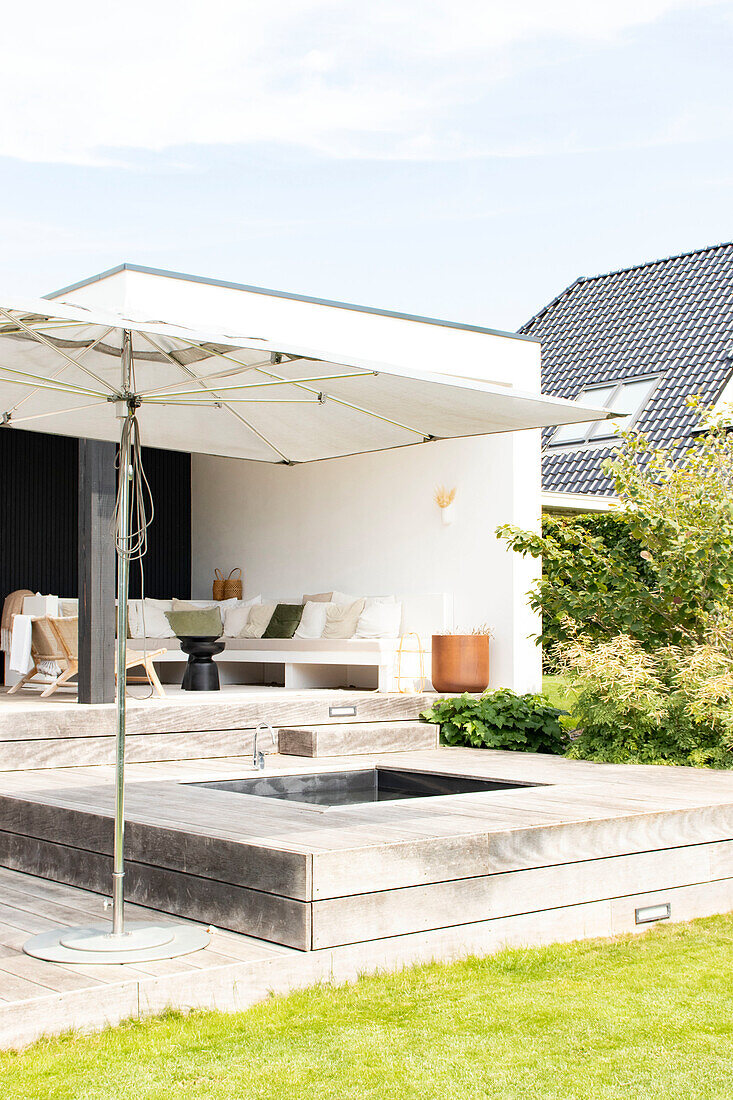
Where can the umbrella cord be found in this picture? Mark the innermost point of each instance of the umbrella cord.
(142, 513)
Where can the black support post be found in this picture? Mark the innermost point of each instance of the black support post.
(96, 563)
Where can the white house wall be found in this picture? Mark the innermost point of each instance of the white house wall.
(368, 525)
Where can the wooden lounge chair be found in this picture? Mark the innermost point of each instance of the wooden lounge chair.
(57, 640)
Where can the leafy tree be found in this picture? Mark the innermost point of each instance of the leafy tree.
(593, 576)
(680, 508)
(667, 579)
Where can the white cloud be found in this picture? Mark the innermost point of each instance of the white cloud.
(347, 79)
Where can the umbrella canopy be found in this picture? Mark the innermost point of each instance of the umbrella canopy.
(240, 395)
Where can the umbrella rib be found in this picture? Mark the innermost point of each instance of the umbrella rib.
(235, 401)
(59, 412)
(59, 351)
(279, 381)
(360, 408)
(338, 400)
(47, 325)
(357, 372)
(38, 381)
(200, 381)
(59, 372)
(208, 377)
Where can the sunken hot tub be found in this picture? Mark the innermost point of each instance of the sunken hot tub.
(355, 787)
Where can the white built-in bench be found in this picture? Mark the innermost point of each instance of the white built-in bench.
(304, 663)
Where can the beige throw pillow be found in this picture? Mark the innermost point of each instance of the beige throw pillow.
(341, 619)
(258, 621)
(320, 597)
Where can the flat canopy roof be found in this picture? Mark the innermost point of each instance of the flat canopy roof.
(228, 285)
(245, 395)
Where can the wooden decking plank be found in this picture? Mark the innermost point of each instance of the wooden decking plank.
(52, 977)
(14, 989)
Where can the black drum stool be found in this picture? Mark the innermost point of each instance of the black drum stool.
(201, 673)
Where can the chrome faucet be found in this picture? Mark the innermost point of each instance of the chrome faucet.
(258, 757)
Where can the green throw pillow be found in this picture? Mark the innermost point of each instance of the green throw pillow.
(285, 620)
(204, 622)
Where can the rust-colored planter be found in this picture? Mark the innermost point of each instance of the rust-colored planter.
(460, 662)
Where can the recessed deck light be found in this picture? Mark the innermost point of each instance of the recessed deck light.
(649, 913)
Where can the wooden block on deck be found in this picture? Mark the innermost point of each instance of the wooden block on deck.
(357, 738)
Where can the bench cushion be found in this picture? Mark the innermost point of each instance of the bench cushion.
(277, 646)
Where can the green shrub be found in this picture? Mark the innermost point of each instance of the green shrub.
(670, 706)
(499, 720)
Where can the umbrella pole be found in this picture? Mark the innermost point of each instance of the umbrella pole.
(139, 942)
(123, 577)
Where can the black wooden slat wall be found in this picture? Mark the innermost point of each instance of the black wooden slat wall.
(38, 512)
(38, 517)
(167, 563)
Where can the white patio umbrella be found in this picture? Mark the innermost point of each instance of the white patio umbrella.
(88, 373)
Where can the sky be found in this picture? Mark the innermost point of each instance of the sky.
(462, 160)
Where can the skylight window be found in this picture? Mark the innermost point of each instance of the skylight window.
(627, 398)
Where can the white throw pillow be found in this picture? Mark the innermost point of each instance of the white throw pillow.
(379, 620)
(235, 618)
(313, 620)
(204, 605)
(152, 622)
(341, 599)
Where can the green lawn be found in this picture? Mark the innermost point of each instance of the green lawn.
(647, 1018)
(555, 688)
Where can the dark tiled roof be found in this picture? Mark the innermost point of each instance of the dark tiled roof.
(673, 317)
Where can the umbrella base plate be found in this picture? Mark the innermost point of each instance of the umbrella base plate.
(98, 944)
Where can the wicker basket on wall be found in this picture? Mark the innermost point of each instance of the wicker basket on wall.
(217, 588)
(233, 585)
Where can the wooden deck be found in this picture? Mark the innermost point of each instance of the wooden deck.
(312, 879)
(346, 890)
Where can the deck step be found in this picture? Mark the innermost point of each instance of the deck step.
(357, 738)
